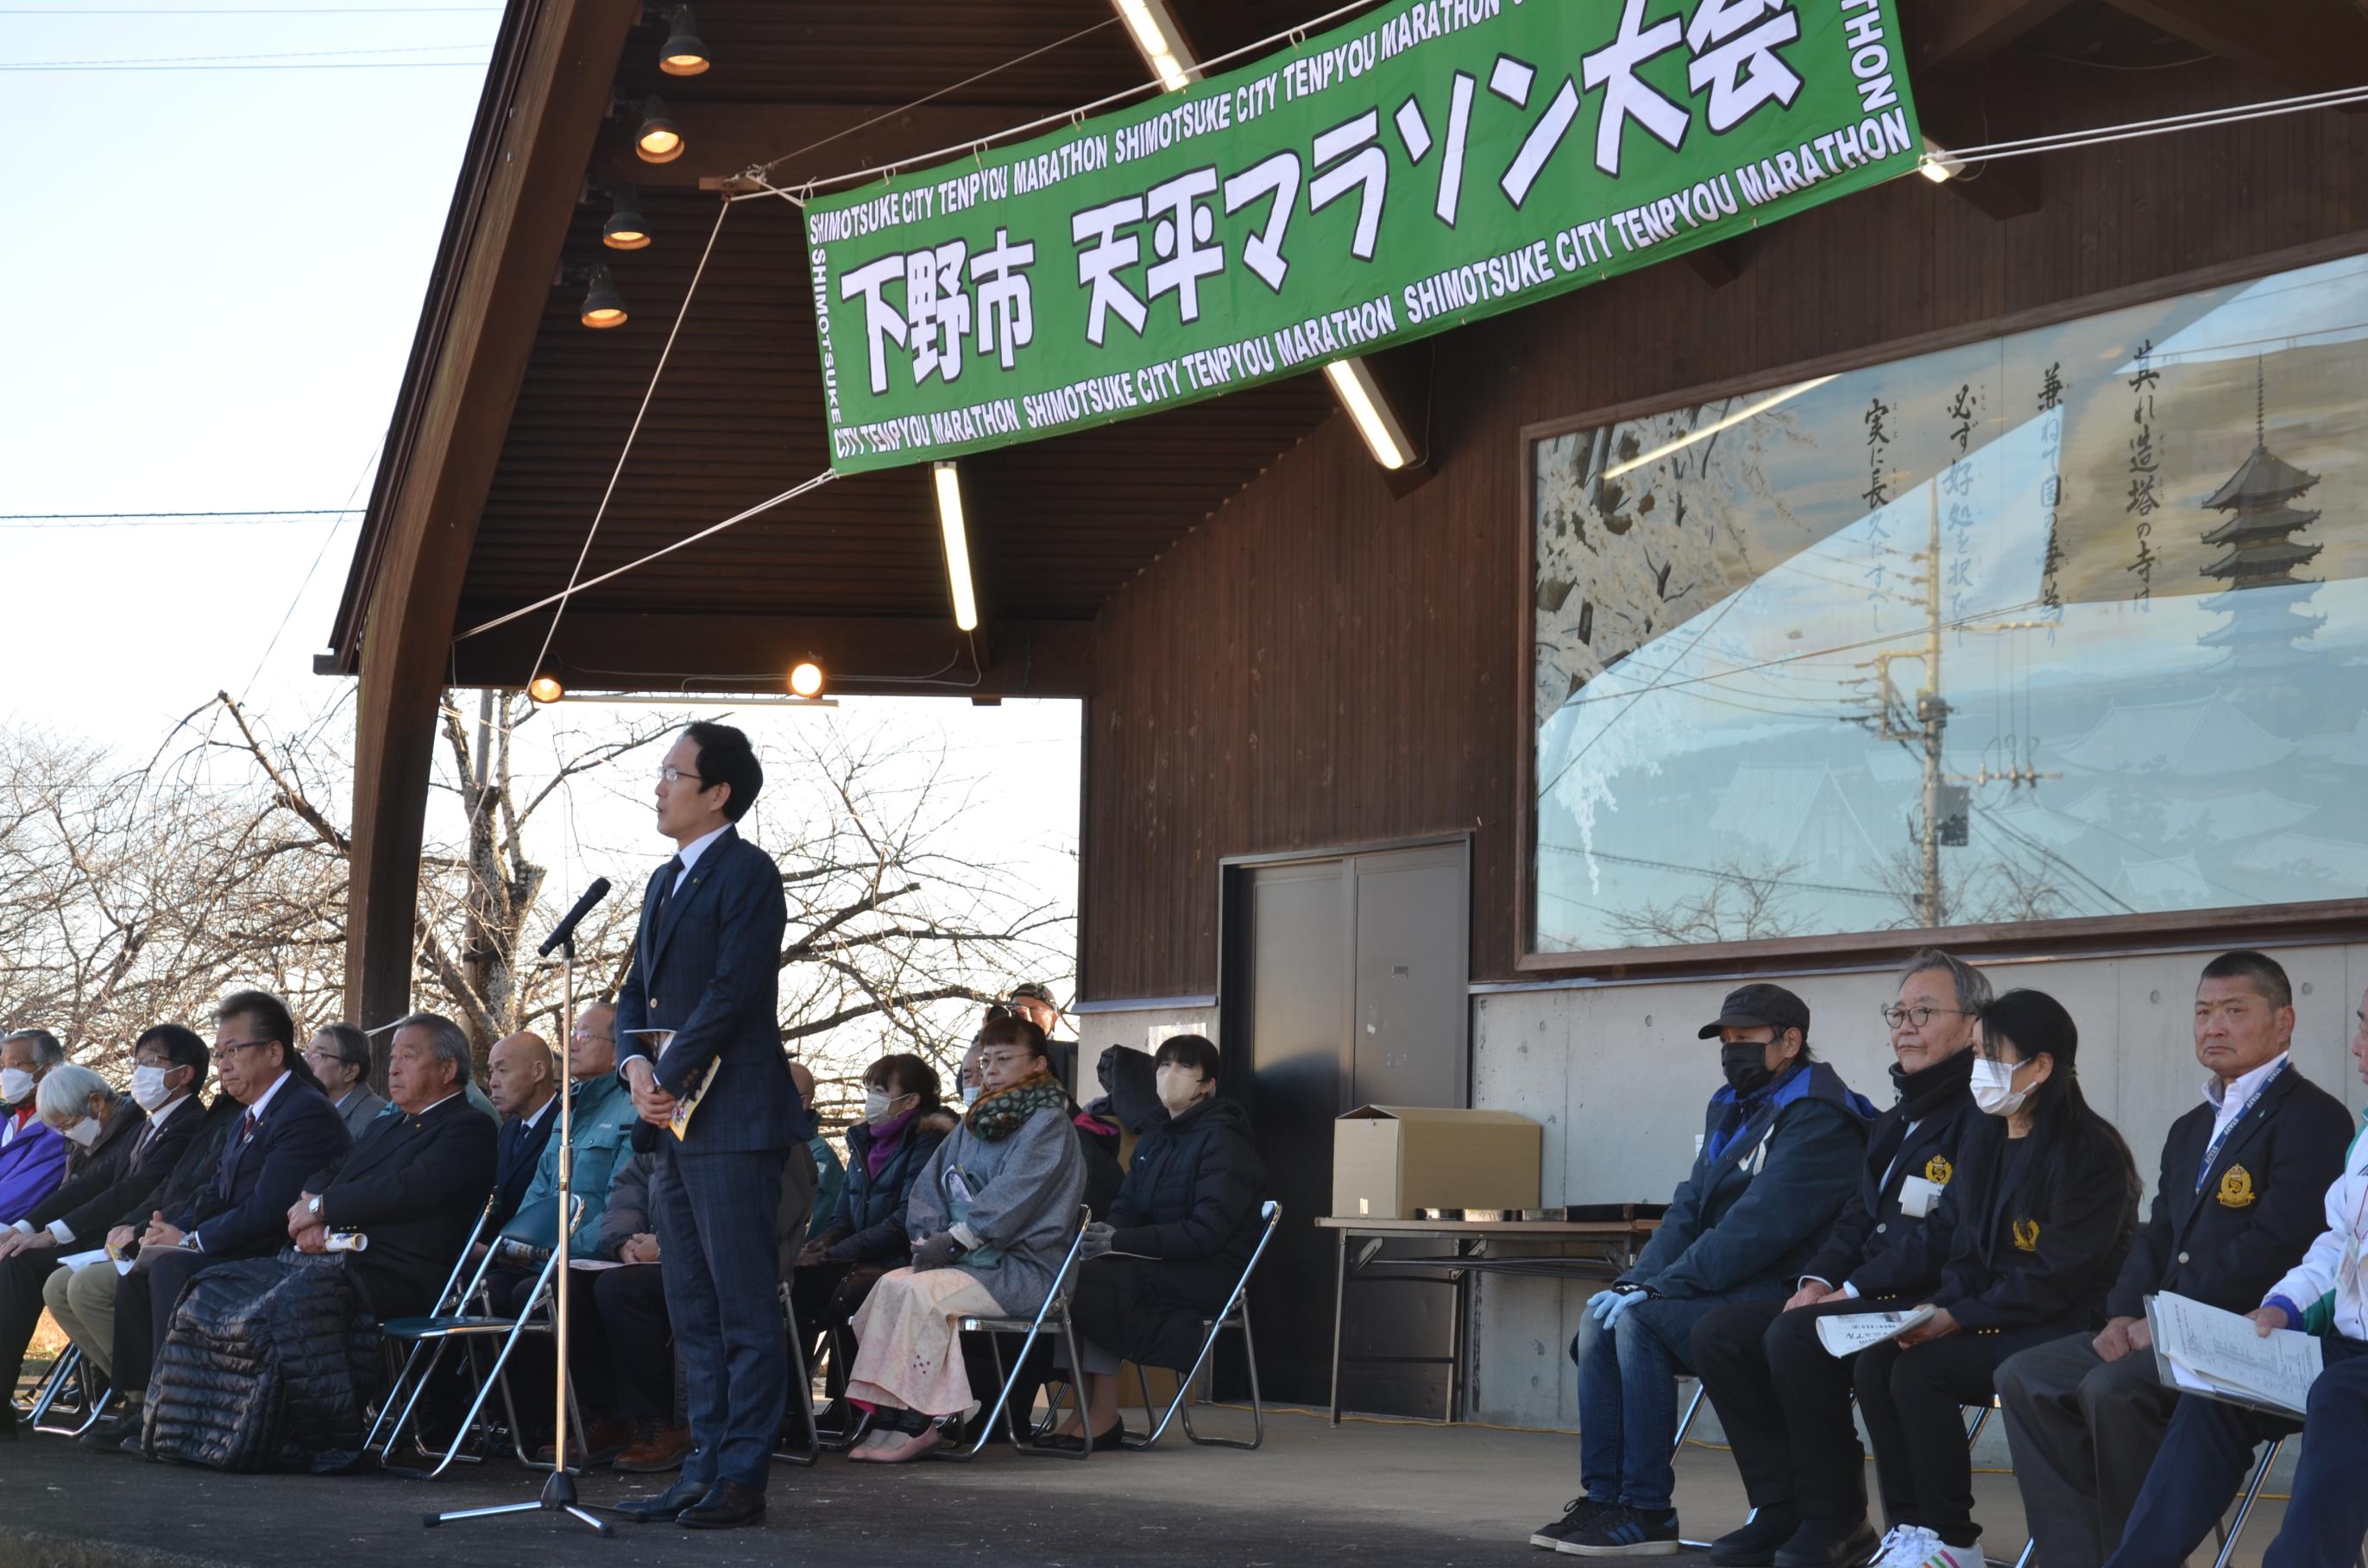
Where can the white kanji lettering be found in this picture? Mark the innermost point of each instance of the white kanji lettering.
(1098, 266)
(1626, 96)
(1181, 235)
(937, 311)
(1511, 79)
(1734, 44)
(1354, 153)
(1413, 132)
(883, 323)
(1277, 176)
(1007, 306)
(1451, 156)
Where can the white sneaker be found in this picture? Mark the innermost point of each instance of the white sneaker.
(1903, 1546)
(1939, 1553)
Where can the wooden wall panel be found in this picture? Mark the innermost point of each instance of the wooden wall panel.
(1321, 665)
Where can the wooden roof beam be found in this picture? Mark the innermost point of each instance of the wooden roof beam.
(1956, 35)
(2315, 46)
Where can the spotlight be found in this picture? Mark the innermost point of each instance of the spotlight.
(682, 54)
(949, 520)
(805, 678)
(625, 229)
(659, 141)
(603, 307)
(545, 689)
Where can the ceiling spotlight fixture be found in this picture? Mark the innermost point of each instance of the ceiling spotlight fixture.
(949, 521)
(545, 689)
(1937, 164)
(603, 306)
(805, 678)
(682, 54)
(625, 229)
(659, 140)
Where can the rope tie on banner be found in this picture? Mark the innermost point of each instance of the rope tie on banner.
(2200, 119)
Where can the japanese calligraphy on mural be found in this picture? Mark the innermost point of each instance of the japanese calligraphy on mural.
(1427, 163)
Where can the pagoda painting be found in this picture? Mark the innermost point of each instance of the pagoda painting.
(2263, 600)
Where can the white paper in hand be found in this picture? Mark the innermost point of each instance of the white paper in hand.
(2200, 1350)
(1848, 1332)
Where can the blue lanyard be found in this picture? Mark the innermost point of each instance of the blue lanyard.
(2212, 1152)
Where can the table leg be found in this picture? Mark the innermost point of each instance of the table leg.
(1456, 1309)
(1340, 1295)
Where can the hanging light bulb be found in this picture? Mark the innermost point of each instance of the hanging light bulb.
(545, 689)
(682, 54)
(603, 306)
(625, 229)
(659, 141)
(805, 678)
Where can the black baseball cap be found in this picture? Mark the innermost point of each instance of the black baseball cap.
(1760, 1005)
(1035, 992)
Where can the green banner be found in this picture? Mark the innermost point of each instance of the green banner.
(1428, 163)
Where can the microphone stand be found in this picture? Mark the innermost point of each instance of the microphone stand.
(558, 1492)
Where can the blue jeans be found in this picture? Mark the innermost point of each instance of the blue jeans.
(1628, 1403)
(2209, 1449)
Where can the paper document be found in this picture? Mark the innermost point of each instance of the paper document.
(1850, 1332)
(595, 1264)
(2200, 1350)
(655, 1041)
(75, 1260)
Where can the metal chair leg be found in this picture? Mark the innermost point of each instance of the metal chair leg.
(802, 1382)
(2245, 1504)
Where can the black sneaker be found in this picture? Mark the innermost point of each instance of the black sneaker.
(1621, 1531)
(1577, 1514)
(1754, 1545)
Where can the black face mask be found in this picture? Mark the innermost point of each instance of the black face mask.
(1746, 1066)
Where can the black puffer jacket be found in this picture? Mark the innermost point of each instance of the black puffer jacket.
(267, 1365)
(871, 1223)
(1191, 1199)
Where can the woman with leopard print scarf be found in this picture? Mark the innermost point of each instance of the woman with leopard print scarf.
(992, 1215)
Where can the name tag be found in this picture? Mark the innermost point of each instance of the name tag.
(1917, 1195)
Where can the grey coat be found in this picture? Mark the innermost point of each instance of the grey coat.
(360, 1108)
(1028, 1187)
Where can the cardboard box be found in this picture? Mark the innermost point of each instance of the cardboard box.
(1390, 1161)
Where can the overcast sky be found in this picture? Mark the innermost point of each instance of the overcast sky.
(220, 260)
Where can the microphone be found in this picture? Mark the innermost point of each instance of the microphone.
(566, 927)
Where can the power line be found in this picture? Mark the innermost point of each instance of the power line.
(323, 65)
(260, 11)
(194, 59)
(38, 521)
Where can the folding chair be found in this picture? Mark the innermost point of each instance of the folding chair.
(447, 1325)
(802, 1385)
(1235, 1314)
(2235, 1526)
(1051, 1318)
(54, 1384)
(88, 1399)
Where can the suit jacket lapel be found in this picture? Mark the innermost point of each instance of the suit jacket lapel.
(2240, 1137)
(701, 870)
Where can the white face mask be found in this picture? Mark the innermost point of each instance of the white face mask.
(875, 1106)
(15, 1085)
(1994, 1089)
(84, 1133)
(149, 1089)
(1179, 1088)
(970, 1096)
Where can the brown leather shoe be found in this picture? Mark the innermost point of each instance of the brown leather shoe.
(655, 1448)
(602, 1438)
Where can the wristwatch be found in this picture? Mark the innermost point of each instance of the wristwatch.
(313, 1208)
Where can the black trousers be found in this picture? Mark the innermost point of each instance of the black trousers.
(144, 1300)
(620, 1345)
(1784, 1403)
(21, 1279)
(1910, 1399)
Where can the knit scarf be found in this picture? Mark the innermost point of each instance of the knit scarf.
(886, 1139)
(1927, 1089)
(997, 1116)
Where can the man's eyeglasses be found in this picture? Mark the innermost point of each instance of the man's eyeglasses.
(225, 1052)
(1920, 1016)
(677, 775)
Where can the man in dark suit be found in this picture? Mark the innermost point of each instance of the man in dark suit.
(287, 1132)
(416, 1182)
(2240, 1199)
(707, 967)
(168, 1068)
(523, 1079)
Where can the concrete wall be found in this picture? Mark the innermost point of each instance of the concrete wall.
(1618, 1079)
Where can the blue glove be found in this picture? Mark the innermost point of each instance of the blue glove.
(1607, 1305)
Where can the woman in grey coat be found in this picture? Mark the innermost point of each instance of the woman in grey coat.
(992, 1215)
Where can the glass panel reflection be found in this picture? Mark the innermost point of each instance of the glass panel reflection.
(2067, 624)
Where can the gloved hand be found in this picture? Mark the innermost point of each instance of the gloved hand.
(1097, 1241)
(938, 1252)
(1607, 1305)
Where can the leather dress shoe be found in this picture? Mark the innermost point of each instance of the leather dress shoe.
(1828, 1543)
(664, 1506)
(1754, 1545)
(727, 1506)
(108, 1436)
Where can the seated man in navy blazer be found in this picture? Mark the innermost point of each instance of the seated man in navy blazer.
(707, 966)
(416, 1180)
(288, 1130)
(2239, 1201)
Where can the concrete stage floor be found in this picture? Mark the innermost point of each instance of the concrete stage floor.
(1373, 1492)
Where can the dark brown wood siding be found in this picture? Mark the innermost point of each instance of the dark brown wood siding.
(1320, 665)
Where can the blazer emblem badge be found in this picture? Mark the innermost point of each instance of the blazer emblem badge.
(2026, 1235)
(2236, 1189)
(1938, 1170)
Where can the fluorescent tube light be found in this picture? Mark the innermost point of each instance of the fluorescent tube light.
(949, 521)
(1161, 42)
(1364, 400)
